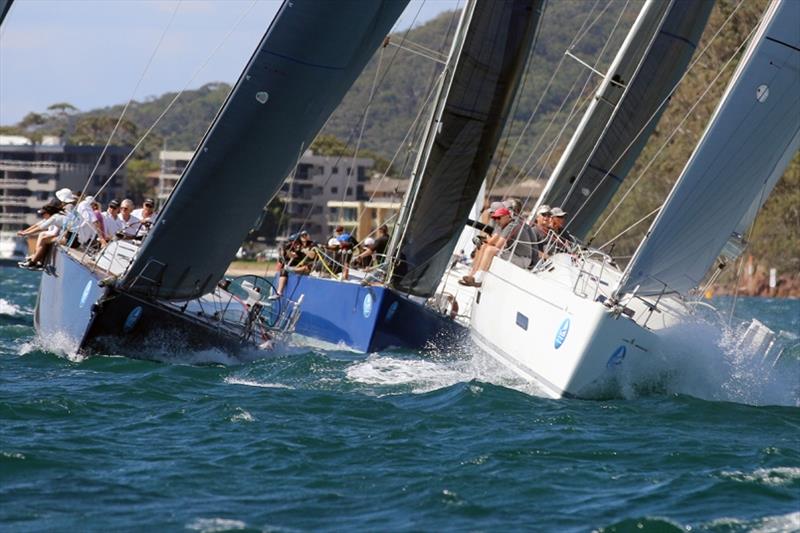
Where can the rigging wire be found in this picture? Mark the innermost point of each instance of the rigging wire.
(353, 165)
(580, 102)
(178, 95)
(130, 100)
(623, 232)
(380, 84)
(677, 128)
(541, 99)
(663, 103)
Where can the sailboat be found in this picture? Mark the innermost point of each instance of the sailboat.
(173, 285)
(576, 321)
(394, 306)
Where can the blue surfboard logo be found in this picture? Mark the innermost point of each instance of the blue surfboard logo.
(133, 319)
(85, 295)
(561, 334)
(616, 358)
(366, 308)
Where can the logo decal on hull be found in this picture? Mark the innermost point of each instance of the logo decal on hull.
(85, 294)
(133, 318)
(616, 358)
(367, 307)
(392, 310)
(561, 335)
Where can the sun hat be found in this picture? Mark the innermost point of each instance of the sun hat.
(65, 195)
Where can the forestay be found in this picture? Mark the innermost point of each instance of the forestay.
(752, 137)
(625, 109)
(304, 64)
(487, 73)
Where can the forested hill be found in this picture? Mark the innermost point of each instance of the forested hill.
(546, 103)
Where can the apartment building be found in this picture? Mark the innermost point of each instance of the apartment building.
(317, 181)
(31, 173)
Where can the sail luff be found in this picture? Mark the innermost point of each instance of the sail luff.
(616, 126)
(426, 143)
(497, 45)
(5, 7)
(303, 66)
(751, 138)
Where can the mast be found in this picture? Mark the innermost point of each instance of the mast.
(625, 110)
(649, 9)
(430, 133)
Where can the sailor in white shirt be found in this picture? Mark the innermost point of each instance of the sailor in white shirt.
(111, 222)
(129, 222)
(146, 215)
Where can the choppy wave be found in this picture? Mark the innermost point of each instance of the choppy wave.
(775, 477)
(9, 309)
(707, 361)
(232, 380)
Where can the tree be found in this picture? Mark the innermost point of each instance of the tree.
(137, 183)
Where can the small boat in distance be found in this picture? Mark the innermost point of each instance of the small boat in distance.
(171, 286)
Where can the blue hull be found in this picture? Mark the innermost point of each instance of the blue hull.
(87, 318)
(67, 294)
(366, 318)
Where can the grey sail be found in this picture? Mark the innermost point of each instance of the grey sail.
(5, 6)
(751, 139)
(487, 74)
(301, 69)
(626, 109)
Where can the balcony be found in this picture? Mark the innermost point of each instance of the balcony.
(17, 201)
(8, 183)
(34, 167)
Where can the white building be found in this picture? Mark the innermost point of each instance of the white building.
(317, 181)
(31, 173)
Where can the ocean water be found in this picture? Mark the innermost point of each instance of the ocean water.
(308, 439)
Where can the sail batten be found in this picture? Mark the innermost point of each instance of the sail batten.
(749, 142)
(487, 74)
(610, 138)
(307, 60)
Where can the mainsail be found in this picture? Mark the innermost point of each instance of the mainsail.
(304, 64)
(461, 142)
(626, 109)
(751, 139)
(5, 6)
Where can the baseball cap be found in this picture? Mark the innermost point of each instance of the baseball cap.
(502, 212)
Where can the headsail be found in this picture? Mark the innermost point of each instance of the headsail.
(625, 109)
(751, 139)
(487, 73)
(5, 6)
(304, 64)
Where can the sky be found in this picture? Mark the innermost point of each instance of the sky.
(93, 53)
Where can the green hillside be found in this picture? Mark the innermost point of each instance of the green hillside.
(405, 81)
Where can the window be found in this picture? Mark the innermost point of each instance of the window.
(334, 190)
(335, 170)
(349, 191)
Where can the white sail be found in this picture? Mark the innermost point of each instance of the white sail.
(752, 137)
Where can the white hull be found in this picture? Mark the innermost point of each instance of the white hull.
(552, 327)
